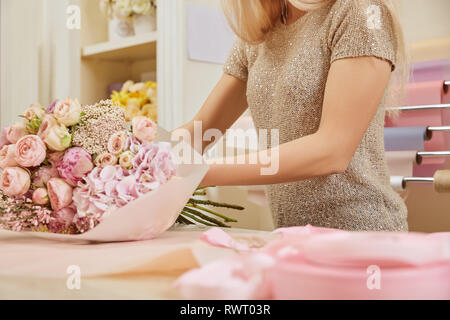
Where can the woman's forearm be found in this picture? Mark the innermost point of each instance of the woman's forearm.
(307, 157)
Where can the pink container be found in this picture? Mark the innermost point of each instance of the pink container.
(361, 265)
(309, 281)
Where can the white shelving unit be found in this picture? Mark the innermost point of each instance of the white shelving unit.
(104, 62)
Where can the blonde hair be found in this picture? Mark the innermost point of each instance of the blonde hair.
(252, 20)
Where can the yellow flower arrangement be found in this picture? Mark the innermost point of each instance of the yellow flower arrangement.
(138, 99)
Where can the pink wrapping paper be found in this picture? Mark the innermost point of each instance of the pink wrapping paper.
(426, 93)
(151, 214)
(318, 263)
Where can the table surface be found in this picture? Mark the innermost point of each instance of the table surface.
(33, 268)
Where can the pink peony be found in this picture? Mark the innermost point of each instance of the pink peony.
(62, 220)
(105, 159)
(35, 110)
(144, 129)
(16, 131)
(30, 151)
(117, 142)
(74, 165)
(60, 193)
(43, 174)
(14, 181)
(8, 156)
(3, 137)
(40, 196)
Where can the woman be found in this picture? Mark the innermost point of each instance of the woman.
(318, 71)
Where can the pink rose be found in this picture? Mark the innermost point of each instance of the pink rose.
(60, 193)
(35, 110)
(3, 137)
(117, 142)
(30, 151)
(8, 156)
(74, 165)
(144, 129)
(14, 181)
(55, 135)
(43, 174)
(16, 131)
(40, 196)
(48, 123)
(62, 220)
(105, 159)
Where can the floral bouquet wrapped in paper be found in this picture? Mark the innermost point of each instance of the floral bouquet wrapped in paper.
(72, 171)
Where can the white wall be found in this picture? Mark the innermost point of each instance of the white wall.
(39, 56)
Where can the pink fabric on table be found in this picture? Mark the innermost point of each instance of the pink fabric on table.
(320, 263)
(218, 237)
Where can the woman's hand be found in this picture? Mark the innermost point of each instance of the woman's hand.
(355, 87)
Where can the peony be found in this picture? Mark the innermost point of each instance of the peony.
(62, 220)
(14, 181)
(117, 142)
(51, 107)
(3, 137)
(105, 159)
(30, 151)
(67, 111)
(34, 111)
(144, 129)
(8, 156)
(125, 160)
(40, 196)
(43, 174)
(55, 136)
(74, 165)
(16, 131)
(60, 193)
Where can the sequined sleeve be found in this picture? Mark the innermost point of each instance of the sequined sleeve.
(362, 31)
(236, 64)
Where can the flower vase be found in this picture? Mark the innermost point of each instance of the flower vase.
(120, 28)
(144, 23)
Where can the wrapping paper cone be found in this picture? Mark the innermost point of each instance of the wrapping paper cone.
(150, 215)
(405, 138)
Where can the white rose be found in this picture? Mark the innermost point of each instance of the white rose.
(35, 110)
(141, 6)
(67, 111)
(123, 8)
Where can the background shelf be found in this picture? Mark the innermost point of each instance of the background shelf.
(140, 47)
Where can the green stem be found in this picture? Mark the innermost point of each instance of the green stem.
(215, 204)
(206, 217)
(184, 220)
(197, 219)
(227, 219)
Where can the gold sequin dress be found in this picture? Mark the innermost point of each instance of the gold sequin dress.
(286, 78)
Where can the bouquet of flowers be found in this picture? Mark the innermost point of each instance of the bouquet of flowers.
(66, 168)
(138, 99)
(127, 8)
